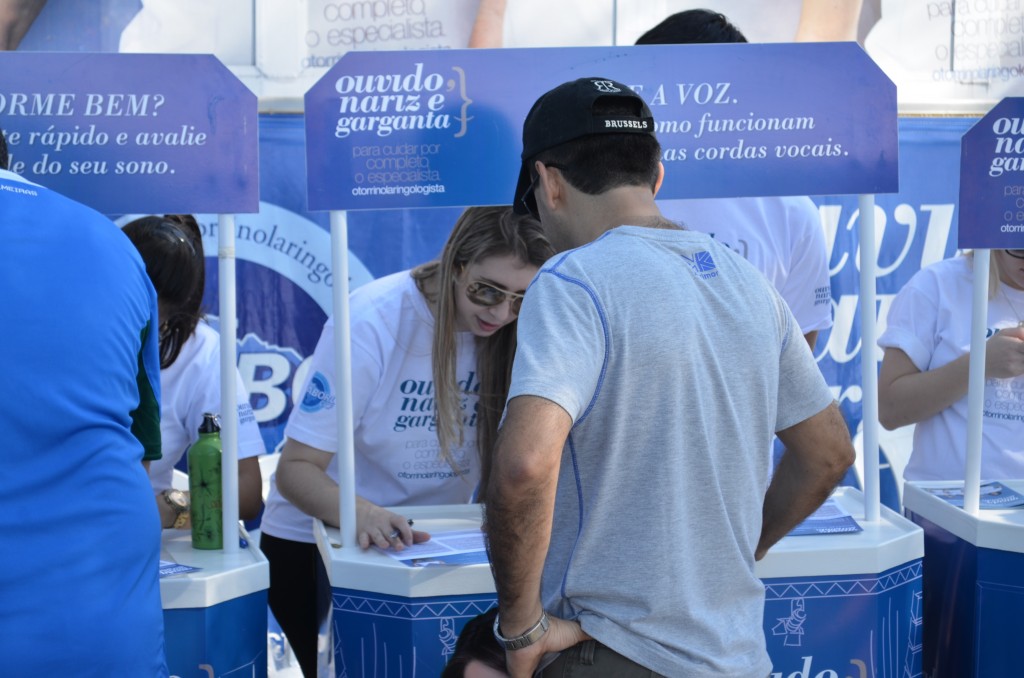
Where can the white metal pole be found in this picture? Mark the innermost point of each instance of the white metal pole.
(868, 363)
(228, 391)
(976, 380)
(343, 377)
(615, 22)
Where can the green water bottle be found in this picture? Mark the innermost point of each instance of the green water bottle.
(204, 484)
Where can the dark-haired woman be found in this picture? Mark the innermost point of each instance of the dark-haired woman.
(172, 249)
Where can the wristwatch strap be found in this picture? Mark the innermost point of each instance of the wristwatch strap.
(535, 633)
(181, 521)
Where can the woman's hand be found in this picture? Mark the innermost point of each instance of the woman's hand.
(1004, 354)
(383, 528)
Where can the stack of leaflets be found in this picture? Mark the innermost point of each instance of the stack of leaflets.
(169, 569)
(461, 547)
(830, 518)
(992, 495)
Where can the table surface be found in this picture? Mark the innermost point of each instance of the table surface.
(222, 576)
(884, 544)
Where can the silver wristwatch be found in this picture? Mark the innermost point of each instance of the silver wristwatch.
(180, 505)
(527, 639)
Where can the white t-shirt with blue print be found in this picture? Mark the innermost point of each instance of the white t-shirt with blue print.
(397, 457)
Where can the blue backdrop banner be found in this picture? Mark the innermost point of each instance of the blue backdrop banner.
(284, 293)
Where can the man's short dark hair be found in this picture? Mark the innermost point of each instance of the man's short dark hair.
(691, 27)
(5, 158)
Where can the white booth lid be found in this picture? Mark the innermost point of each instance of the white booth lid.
(882, 545)
(374, 571)
(221, 576)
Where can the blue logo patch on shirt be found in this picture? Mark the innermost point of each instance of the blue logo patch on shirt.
(702, 264)
(318, 395)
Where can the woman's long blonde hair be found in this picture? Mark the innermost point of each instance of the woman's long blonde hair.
(480, 233)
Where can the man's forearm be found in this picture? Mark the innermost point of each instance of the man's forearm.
(818, 453)
(520, 506)
(793, 495)
(518, 531)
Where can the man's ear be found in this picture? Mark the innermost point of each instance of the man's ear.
(661, 177)
(553, 182)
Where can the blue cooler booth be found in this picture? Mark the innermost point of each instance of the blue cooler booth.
(839, 605)
(973, 584)
(215, 617)
(836, 605)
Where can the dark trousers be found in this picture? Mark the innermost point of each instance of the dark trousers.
(591, 659)
(299, 595)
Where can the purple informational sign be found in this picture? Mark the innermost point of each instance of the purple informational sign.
(992, 179)
(146, 133)
(443, 128)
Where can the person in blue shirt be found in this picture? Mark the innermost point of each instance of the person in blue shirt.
(79, 413)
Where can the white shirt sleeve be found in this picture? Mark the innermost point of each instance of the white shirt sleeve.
(911, 325)
(807, 288)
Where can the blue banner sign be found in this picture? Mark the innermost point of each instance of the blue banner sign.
(992, 179)
(443, 127)
(149, 133)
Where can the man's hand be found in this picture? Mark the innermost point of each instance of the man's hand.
(561, 635)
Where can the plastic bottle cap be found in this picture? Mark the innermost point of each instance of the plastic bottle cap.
(211, 423)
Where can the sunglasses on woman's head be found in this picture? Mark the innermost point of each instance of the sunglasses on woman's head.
(483, 294)
(1016, 254)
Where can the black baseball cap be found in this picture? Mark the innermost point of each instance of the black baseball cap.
(566, 113)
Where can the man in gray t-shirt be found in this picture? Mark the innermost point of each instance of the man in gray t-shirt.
(629, 495)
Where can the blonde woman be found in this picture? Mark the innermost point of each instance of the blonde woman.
(923, 379)
(431, 358)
